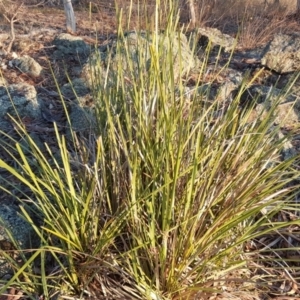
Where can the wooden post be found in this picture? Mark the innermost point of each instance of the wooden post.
(70, 17)
(192, 13)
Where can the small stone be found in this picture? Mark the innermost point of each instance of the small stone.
(28, 65)
(19, 99)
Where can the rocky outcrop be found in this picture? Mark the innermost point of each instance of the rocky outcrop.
(268, 70)
(288, 110)
(77, 88)
(138, 46)
(280, 55)
(82, 120)
(283, 54)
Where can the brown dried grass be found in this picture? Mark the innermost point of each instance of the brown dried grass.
(254, 25)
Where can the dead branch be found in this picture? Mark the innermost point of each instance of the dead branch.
(192, 13)
(10, 15)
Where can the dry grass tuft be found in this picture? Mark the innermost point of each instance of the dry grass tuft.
(254, 25)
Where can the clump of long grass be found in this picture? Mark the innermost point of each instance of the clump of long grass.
(162, 200)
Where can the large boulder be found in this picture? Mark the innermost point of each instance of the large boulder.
(70, 47)
(103, 65)
(132, 54)
(282, 54)
(216, 37)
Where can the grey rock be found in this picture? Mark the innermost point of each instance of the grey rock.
(77, 88)
(138, 48)
(217, 92)
(261, 93)
(70, 47)
(290, 82)
(82, 120)
(283, 53)
(28, 65)
(19, 100)
(288, 111)
(288, 150)
(5, 127)
(216, 37)
(22, 231)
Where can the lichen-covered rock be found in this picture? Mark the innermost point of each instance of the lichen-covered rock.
(133, 55)
(82, 119)
(70, 47)
(19, 100)
(77, 88)
(288, 111)
(288, 150)
(28, 65)
(283, 53)
(216, 37)
(216, 92)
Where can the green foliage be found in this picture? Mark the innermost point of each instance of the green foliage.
(161, 202)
